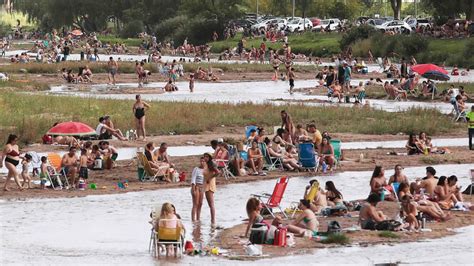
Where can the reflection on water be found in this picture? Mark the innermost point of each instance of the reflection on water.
(114, 229)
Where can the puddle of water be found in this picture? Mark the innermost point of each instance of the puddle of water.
(452, 142)
(113, 229)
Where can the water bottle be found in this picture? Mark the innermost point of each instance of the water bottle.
(423, 222)
(325, 167)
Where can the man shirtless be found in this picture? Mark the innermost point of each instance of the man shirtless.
(112, 66)
(429, 182)
(368, 215)
(69, 165)
(291, 77)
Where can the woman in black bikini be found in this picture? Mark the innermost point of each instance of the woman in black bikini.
(139, 112)
(11, 154)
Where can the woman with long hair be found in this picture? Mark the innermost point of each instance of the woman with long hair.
(398, 177)
(378, 183)
(197, 189)
(139, 112)
(412, 145)
(11, 155)
(210, 172)
(334, 197)
(326, 150)
(287, 123)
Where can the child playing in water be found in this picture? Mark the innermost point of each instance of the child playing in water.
(83, 171)
(44, 171)
(24, 173)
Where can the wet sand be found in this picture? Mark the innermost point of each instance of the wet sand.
(230, 238)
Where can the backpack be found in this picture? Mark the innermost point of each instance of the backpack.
(387, 225)
(334, 227)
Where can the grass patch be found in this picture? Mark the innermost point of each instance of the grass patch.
(24, 84)
(129, 67)
(388, 234)
(340, 239)
(316, 44)
(31, 115)
(113, 39)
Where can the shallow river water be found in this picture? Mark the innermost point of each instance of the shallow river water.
(113, 229)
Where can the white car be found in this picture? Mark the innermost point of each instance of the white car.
(332, 23)
(281, 22)
(398, 25)
(299, 25)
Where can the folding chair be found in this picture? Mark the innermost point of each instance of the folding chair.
(168, 235)
(307, 156)
(270, 163)
(311, 195)
(336, 144)
(361, 97)
(472, 182)
(457, 113)
(223, 165)
(145, 172)
(274, 200)
(57, 171)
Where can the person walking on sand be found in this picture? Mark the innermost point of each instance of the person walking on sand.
(210, 172)
(291, 77)
(112, 68)
(139, 113)
(11, 155)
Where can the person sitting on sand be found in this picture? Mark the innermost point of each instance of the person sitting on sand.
(433, 149)
(410, 211)
(69, 165)
(336, 91)
(398, 177)
(429, 207)
(86, 74)
(455, 71)
(300, 134)
(106, 132)
(305, 223)
(378, 184)
(454, 189)
(168, 219)
(111, 130)
(445, 198)
(169, 87)
(333, 196)
(254, 209)
(221, 154)
(428, 183)
(369, 217)
(155, 164)
(326, 152)
(255, 159)
(413, 146)
(110, 153)
(280, 137)
(314, 134)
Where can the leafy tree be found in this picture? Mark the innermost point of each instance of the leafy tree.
(453, 8)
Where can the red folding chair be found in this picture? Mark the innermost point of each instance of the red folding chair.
(274, 199)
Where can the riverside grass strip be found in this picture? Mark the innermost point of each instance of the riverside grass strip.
(31, 115)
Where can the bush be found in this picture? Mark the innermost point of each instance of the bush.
(131, 29)
(411, 45)
(4, 30)
(388, 234)
(355, 34)
(338, 238)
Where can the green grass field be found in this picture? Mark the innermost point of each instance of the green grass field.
(30, 115)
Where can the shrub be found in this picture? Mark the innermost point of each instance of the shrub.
(131, 29)
(355, 34)
(388, 234)
(411, 45)
(340, 239)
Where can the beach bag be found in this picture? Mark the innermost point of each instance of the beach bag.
(258, 233)
(388, 225)
(334, 227)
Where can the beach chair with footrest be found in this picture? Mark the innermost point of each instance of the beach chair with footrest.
(336, 144)
(145, 171)
(270, 163)
(270, 201)
(56, 172)
(311, 195)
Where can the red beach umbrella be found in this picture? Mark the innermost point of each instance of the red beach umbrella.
(423, 68)
(71, 129)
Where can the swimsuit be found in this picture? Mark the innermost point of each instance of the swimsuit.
(139, 112)
(83, 172)
(12, 161)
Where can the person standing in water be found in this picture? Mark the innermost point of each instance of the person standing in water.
(139, 113)
(210, 173)
(112, 66)
(291, 77)
(191, 83)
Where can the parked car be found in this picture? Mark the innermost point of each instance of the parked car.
(299, 25)
(281, 22)
(414, 22)
(375, 22)
(395, 25)
(332, 24)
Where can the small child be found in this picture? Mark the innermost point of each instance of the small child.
(44, 172)
(83, 172)
(191, 83)
(409, 208)
(24, 173)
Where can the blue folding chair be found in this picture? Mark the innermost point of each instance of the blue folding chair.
(307, 156)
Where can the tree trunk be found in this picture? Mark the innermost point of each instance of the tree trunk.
(470, 10)
(396, 7)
